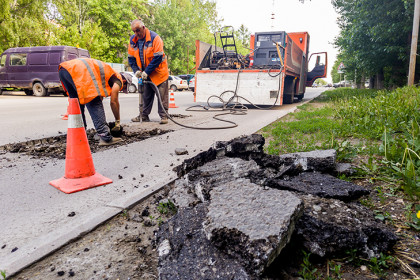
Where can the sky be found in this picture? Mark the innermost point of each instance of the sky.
(317, 17)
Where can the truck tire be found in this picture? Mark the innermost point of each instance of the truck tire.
(39, 89)
(28, 92)
(289, 90)
(132, 88)
(174, 88)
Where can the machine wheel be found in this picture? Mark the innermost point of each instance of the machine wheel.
(28, 92)
(39, 89)
(289, 90)
(173, 87)
(132, 88)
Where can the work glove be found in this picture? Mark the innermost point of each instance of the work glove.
(138, 74)
(144, 75)
(117, 126)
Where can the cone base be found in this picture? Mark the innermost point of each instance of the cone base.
(172, 106)
(80, 184)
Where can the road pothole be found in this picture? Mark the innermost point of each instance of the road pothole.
(55, 147)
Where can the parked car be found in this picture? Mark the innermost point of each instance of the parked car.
(191, 85)
(187, 77)
(35, 69)
(131, 88)
(176, 83)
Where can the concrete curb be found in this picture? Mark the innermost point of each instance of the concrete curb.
(53, 241)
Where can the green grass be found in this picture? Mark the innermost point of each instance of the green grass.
(382, 126)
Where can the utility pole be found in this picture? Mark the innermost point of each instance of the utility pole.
(414, 39)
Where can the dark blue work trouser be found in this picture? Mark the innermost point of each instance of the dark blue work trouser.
(95, 107)
(149, 96)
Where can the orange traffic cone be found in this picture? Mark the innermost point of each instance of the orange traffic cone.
(172, 100)
(80, 172)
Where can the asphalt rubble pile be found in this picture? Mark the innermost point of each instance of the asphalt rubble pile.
(239, 210)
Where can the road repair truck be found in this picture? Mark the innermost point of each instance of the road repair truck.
(275, 72)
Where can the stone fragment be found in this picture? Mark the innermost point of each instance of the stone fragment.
(344, 168)
(181, 151)
(199, 182)
(318, 160)
(336, 227)
(251, 224)
(242, 147)
(186, 253)
(322, 185)
(194, 162)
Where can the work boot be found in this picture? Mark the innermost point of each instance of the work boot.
(164, 120)
(143, 119)
(114, 140)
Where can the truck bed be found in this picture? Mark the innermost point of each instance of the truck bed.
(253, 86)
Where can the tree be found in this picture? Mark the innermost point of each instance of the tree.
(242, 36)
(100, 26)
(180, 23)
(374, 39)
(21, 25)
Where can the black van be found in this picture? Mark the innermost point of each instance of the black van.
(35, 69)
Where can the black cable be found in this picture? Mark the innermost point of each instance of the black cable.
(238, 107)
(155, 88)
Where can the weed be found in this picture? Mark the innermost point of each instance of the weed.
(353, 257)
(335, 271)
(3, 274)
(167, 208)
(367, 202)
(382, 216)
(125, 214)
(377, 265)
(308, 272)
(160, 221)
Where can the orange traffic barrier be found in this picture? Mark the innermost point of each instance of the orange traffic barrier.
(172, 100)
(79, 172)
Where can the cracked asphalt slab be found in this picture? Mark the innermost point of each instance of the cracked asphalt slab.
(37, 219)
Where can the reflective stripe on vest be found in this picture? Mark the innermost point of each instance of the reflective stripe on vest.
(102, 71)
(91, 75)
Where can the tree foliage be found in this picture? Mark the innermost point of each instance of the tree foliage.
(180, 23)
(21, 25)
(375, 38)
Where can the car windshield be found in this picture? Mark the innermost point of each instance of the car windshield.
(177, 78)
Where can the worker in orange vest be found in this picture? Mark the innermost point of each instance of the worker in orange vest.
(91, 80)
(148, 61)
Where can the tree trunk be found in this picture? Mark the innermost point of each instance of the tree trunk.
(362, 81)
(372, 82)
(379, 80)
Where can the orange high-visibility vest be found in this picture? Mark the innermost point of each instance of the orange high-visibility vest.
(152, 46)
(91, 77)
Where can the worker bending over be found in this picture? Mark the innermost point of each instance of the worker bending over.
(148, 61)
(91, 80)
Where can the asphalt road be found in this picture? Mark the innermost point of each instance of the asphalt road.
(35, 216)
